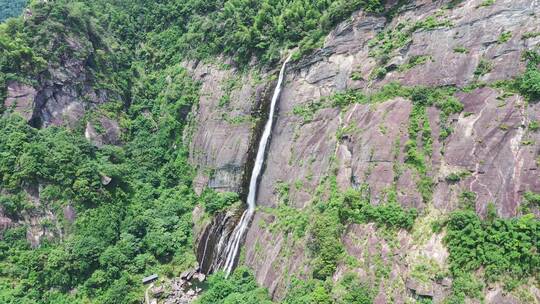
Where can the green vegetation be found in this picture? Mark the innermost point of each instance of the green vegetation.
(11, 8)
(378, 73)
(324, 221)
(230, 85)
(532, 198)
(465, 285)
(504, 37)
(455, 177)
(401, 35)
(288, 218)
(138, 224)
(528, 84)
(240, 287)
(504, 248)
(529, 35)
(461, 49)
(486, 3)
(483, 67)
(214, 202)
(534, 126)
(357, 76)
(242, 29)
(307, 110)
(415, 61)
(347, 290)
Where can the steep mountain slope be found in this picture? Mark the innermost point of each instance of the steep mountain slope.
(419, 110)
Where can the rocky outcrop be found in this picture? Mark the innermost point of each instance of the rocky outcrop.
(67, 88)
(491, 143)
(224, 130)
(61, 95)
(38, 217)
(20, 99)
(109, 132)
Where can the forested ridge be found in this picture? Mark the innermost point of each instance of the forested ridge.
(134, 200)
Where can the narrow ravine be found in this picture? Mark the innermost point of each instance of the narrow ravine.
(233, 245)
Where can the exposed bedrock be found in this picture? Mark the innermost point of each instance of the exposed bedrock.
(490, 144)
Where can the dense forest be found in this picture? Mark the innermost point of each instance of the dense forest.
(11, 8)
(140, 222)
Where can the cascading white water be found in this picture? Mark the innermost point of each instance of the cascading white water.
(234, 241)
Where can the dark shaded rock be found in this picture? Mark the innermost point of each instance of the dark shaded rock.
(5, 222)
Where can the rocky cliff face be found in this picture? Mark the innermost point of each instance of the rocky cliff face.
(67, 93)
(425, 44)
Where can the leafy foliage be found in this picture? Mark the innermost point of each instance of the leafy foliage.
(214, 202)
(500, 247)
(347, 290)
(239, 288)
(11, 8)
(330, 217)
(243, 29)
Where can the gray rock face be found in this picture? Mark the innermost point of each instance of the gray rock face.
(364, 144)
(20, 99)
(224, 126)
(490, 139)
(494, 144)
(5, 222)
(63, 93)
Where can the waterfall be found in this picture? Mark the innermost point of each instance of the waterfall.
(231, 250)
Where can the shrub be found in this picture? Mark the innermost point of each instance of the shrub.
(215, 202)
(534, 126)
(415, 61)
(493, 245)
(455, 177)
(529, 35)
(532, 197)
(378, 73)
(240, 287)
(504, 37)
(529, 83)
(461, 49)
(483, 67)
